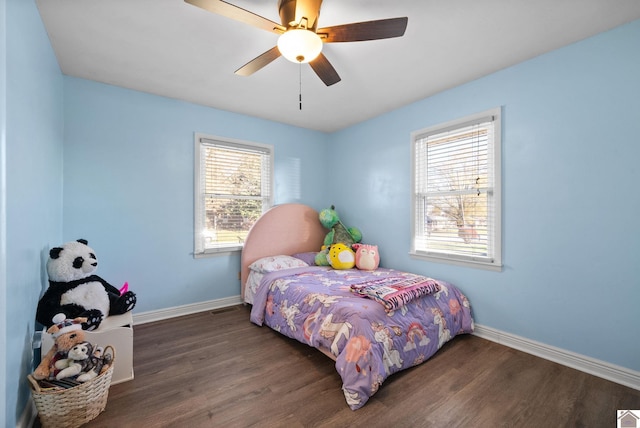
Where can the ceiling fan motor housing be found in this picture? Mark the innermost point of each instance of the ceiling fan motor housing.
(300, 13)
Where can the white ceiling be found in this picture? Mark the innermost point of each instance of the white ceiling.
(174, 49)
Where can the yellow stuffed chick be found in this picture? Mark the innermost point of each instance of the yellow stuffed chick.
(341, 256)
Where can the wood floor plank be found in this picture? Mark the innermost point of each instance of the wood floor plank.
(216, 369)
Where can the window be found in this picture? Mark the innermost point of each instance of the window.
(456, 197)
(233, 187)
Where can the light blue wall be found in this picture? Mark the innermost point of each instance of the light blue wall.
(571, 229)
(33, 172)
(571, 271)
(3, 207)
(128, 178)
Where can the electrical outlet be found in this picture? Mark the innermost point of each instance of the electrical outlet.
(36, 343)
(36, 340)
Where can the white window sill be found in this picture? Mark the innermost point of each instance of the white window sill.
(458, 262)
(215, 253)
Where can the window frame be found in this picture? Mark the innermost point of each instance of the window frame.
(200, 139)
(493, 261)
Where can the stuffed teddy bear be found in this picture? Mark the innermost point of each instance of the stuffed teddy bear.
(78, 360)
(67, 333)
(82, 361)
(99, 362)
(367, 257)
(76, 292)
(338, 233)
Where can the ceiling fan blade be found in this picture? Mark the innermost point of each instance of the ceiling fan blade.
(361, 31)
(325, 70)
(239, 14)
(258, 62)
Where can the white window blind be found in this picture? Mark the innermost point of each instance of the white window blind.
(456, 195)
(234, 183)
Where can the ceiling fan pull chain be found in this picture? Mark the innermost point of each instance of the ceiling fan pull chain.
(300, 87)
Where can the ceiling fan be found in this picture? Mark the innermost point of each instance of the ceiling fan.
(300, 38)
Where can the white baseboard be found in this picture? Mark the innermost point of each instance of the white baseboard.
(612, 372)
(178, 311)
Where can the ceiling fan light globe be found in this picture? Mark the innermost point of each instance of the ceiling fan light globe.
(299, 45)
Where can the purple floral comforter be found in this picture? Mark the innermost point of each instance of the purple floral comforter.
(316, 306)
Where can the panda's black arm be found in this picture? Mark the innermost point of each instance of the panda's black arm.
(49, 306)
(110, 288)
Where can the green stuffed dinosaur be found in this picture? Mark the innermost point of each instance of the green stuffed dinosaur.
(338, 233)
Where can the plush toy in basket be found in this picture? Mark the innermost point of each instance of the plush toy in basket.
(73, 407)
(75, 291)
(83, 363)
(66, 333)
(70, 386)
(70, 355)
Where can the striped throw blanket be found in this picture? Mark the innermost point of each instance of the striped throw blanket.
(395, 292)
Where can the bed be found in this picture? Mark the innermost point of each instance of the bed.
(328, 310)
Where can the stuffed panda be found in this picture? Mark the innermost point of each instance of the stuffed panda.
(76, 292)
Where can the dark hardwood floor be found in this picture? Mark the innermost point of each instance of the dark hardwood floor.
(216, 369)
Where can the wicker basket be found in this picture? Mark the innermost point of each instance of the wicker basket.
(70, 408)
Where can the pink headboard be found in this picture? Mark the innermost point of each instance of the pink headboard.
(284, 229)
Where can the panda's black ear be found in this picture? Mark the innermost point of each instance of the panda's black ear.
(82, 241)
(54, 253)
